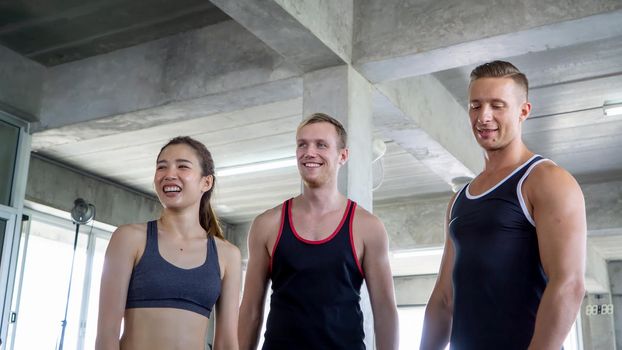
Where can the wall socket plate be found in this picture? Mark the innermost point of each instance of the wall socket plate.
(599, 309)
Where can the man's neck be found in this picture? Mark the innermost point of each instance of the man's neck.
(321, 199)
(510, 156)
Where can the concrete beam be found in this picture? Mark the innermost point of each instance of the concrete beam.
(194, 74)
(411, 38)
(436, 130)
(21, 84)
(567, 68)
(309, 34)
(414, 140)
(209, 105)
(413, 290)
(55, 185)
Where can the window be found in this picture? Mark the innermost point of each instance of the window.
(411, 326)
(573, 340)
(9, 136)
(14, 155)
(41, 295)
(93, 301)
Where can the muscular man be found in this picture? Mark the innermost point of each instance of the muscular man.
(512, 271)
(317, 249)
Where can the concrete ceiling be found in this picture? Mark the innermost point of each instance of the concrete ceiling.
(52, 32)
(235, 85)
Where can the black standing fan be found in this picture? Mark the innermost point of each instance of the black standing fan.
(81, 214)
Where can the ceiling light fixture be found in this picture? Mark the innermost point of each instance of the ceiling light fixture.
(256, 167)
(612, 108)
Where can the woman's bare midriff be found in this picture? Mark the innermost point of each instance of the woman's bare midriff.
(163, 328)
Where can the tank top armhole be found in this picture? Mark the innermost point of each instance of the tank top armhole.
(351, 231)
(278, 237)
(519, 190)
(455, 199)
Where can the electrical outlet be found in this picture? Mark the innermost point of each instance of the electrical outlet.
(599, 309)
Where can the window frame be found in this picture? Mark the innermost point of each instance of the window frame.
(50, 216)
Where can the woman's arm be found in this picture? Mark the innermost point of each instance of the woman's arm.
(121, 254)
(227, 306)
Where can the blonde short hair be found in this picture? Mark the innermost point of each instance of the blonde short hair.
(325, 118)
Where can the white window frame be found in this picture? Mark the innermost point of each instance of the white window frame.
(11, 214)
(60, 218)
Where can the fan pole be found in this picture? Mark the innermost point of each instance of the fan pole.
(73, 258)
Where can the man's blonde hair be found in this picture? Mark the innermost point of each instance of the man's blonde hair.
(325, 118)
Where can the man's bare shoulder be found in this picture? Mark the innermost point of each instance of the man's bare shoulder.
(548, 177)
(263, 233)
(366, 223)
(269, 217)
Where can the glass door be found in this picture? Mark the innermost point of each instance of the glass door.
(43, 280)
(7, 225)
(14, 158)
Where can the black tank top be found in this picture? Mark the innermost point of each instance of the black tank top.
(315, 289)
(498, 277)
(157, 283)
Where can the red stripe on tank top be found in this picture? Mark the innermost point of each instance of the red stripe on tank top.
(308, 241)
(356, 258)
(278, 237)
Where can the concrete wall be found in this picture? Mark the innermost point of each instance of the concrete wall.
(603, 204)
(238, 235)
(21, 84)
(413, 290)
(414, 222)
(58, 186)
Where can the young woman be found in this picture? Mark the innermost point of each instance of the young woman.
(163, 278)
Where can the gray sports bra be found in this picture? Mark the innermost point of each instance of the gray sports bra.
(156, 283)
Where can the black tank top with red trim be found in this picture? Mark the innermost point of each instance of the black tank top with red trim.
(315, 289)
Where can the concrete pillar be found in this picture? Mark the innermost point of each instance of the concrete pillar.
(615, 283)
(597, 330)
(345, 95)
